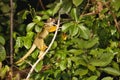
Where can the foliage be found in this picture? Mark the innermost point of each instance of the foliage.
(86, 47)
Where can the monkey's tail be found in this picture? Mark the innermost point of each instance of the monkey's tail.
(27, 54)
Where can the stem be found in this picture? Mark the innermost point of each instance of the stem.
(11, 38)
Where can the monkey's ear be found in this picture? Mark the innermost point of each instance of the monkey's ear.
(52, 29)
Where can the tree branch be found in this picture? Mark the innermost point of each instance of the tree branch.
(11, 38)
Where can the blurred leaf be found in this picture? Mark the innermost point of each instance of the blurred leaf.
(91, 67)
(35, 54)
(73, 14)
(63, 65)
(2, 53)
(24, 16)
(115, 65)
(57, 7)
(4, 71)
(77, 2)
(37, 28)
(107, 78)
(66, 26)
(39, 66)
(37, 19)
(30, 26)
(5, 8)
(66, 8)
(54, 45)
(116, 4)
(84, 32)
(81, 72)
(103, 60)
(111, 71)
(92, 78)
(19, 42)
(28, 40)
(91, 43)
(73, 30)
(2, 40)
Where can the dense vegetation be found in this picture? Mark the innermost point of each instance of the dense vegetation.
(87, 46)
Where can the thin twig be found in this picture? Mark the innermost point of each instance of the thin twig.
(33, 67)
(41, 4)
(11, 38)
(114, 17)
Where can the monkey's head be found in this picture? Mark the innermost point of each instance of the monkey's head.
(50, 26)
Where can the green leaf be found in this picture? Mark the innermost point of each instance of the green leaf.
(4, 71)
(84, 32)
(115, 65)
(63, 65)
(37, 28)
(35, 54)
(39, 66)
(24, 16)
(111, 71)
(30, 26)
(77, 2)
(73, 30)
(91, 67)
(75, 51)
(91, 43)
(66, 26)
(81, 72)
(102, 60)
(66, 8)
(2, 53)
(5, 8)
(2, 40)
(36, 19)
(57, 7)
(73, 14)
(28, 40)
(54, 45)
(92, 78)
(107, 78)
(19, 42)
(116, 4)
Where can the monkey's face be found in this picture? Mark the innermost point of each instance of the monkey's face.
(50, 26)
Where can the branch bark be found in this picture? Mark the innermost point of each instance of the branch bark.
(11, 38)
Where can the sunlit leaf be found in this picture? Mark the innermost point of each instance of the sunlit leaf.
(103, 60)
(2, 53)
(19, 42)
(92, 78)
(77, 2)
(73, 14)
(24, 16)
(73, 30)
(81, 72)
(28, 40)
(66, 26)
(30, 26)
(3, 72)
(63, 65)
(84, 32)
(39, 66)
(107, 78)
(111, 71)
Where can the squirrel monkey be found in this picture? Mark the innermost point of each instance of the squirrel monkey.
(39, 39)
